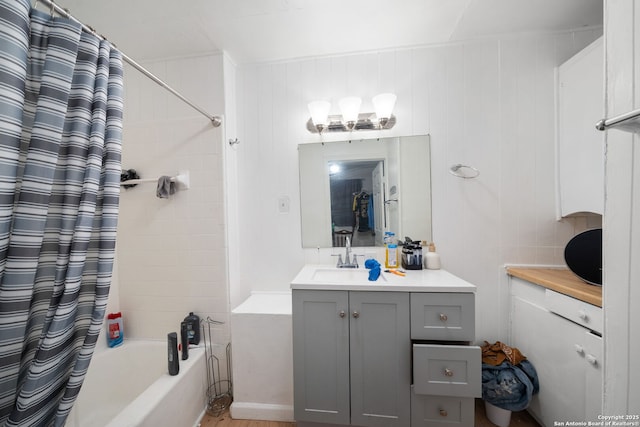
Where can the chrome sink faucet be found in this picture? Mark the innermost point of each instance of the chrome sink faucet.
(350, 261)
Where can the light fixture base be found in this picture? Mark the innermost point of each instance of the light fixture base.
(366, 121)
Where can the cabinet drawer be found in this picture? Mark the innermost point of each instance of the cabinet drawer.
(441, 411)
(580, 312)
(443, 316)
(447, 370)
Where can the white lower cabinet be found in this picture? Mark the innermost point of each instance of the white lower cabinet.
(357, 361)
(567, 355)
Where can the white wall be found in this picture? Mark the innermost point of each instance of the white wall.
(622, 213)
(488, 103)
(171, 253)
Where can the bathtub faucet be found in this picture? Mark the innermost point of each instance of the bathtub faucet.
(349, 260)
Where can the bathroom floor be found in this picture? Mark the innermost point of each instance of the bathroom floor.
(518, 419)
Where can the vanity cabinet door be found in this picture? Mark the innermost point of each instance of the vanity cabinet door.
(321, 356)
(380, 359)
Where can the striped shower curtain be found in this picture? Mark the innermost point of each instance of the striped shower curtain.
(60, 136)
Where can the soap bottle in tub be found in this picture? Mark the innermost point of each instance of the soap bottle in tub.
(192, 322)
(115, 330)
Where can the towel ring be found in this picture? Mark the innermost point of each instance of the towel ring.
(458, 170)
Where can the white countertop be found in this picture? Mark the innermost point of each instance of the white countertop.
(413, 281)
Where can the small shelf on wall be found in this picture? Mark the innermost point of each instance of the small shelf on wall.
(628, 122)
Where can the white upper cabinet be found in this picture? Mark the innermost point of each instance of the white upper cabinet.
(579, 146)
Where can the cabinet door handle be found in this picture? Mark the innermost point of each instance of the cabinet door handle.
(443, 317)
(342, 313)
(448, 372)
(443, 412)
(356, 314)
(592, 359)
(579, 349)
(583, 315)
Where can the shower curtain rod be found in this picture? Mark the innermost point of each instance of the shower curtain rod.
(215, 120)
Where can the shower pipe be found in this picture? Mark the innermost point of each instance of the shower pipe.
(215, 120)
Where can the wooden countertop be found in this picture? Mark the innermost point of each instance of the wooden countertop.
(560, 280)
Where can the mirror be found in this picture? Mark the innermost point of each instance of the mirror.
(360, 189)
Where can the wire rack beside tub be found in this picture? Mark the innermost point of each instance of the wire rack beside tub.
(219, 390)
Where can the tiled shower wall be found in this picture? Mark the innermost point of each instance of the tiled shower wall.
(171, 253)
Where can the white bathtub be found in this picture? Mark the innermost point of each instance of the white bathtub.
(130, 386)
(262, 358)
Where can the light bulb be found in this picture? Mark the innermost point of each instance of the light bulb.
(383, 105)
(319, 111)
(350, 108)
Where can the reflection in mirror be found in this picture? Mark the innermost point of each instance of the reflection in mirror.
(360, 189)
(356, 201)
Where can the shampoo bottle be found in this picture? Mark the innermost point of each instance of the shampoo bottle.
(115, 331)
(184, 340)
(432, 259)
(193, 328)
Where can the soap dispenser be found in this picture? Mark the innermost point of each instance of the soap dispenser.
(432, 258)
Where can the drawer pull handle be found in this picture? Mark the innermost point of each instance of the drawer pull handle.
(443, 413)
(356, 314)
(583, 315)
(592, 359)
(342, 313)
(448, 372)
(579, 349)
(443, 317)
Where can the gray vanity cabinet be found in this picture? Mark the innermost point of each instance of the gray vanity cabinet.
(352, 358)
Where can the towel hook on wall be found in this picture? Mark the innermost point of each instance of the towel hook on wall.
(464, 171)
(232, 142)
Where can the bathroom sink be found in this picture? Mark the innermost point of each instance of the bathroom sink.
(329, 277)
(343, 275)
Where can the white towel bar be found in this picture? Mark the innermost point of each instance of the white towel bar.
(181, 180)
(629, 122)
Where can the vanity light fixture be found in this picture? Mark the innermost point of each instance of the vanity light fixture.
(351, 118)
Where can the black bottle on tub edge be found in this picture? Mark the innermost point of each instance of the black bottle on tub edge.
(184, 340)
(172, 357)
(193, 328)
